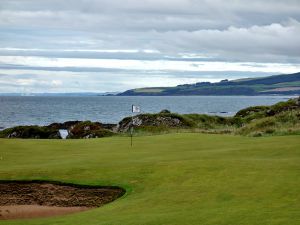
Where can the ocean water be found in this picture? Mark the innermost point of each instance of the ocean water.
(33, 110)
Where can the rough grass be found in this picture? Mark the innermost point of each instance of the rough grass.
(284, 123)
(282, 118)
(258, 112)
(177, 179)
(208, 121)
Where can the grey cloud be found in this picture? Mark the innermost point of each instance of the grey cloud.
(77, 71)
(226, 31)
(145, 15)
(94, 83)
(275, 42)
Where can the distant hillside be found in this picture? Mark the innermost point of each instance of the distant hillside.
(288, 84)
(67, 94)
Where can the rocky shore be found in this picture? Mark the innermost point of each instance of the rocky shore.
(88, 129)
(75, 129)
(283, 117)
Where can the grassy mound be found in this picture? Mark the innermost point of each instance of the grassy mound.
(282, 123)
(257, 112)
(212, 122)
(280, 119)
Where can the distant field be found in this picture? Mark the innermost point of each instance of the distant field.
(284, 89)
(176, 179)
(149, 90)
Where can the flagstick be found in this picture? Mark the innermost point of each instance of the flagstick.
(131, 130)
(134, 109)
(131, 139)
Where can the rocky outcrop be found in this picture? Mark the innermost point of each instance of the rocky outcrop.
(165, 111)
(68, 125)
(164, 119)
(88, 129)
(75, 129)
(35, 132)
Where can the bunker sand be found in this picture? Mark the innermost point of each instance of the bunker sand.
(34, 211)
(21, 199)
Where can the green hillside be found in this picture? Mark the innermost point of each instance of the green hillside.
(288, 84)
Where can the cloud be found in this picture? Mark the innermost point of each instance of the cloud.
(148, 65)
(138, 42)
(47, 81)
(255, 43)
(277, 42)
(72, 81)
(148, 14)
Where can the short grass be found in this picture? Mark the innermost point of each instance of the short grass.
(176, 179)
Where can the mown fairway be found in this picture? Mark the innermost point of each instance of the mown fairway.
(170, 179)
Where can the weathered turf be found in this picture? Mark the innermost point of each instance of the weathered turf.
(170, 179)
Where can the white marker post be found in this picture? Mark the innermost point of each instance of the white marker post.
(134, 109)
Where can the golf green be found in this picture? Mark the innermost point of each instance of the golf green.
(169, 179)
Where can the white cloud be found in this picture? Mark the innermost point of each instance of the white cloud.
(148, 51)
(47, 81)
(149, 65)
(267, 43)
(56, 83)
(152, 37)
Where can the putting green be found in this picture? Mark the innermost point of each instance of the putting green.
(170, 179)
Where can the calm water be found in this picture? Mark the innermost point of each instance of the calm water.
(45, 110)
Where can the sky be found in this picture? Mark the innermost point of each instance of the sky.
(115, 45)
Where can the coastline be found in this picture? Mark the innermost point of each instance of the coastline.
(41, 111)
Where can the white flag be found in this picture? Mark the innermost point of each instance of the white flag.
(136, 109)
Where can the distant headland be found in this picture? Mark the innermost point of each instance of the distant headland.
(285, 84)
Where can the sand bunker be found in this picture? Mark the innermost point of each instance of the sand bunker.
(22, 199)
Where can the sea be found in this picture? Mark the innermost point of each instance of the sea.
(43, 110)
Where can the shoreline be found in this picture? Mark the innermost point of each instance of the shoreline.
(19, 111)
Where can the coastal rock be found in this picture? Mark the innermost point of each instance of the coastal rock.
(74, 129)
(35, 132)
(168, 120)
(68, 125)
(88, 129)
(165, 111)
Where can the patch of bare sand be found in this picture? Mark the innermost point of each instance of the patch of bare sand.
(34, 211)
(31, 199)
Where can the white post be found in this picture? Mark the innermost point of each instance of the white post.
(134, 109)
(131, 128)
